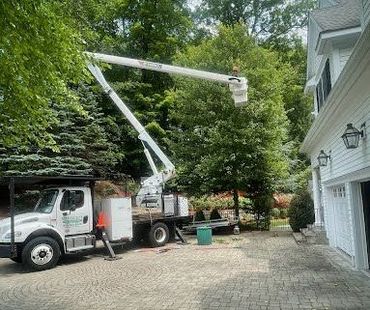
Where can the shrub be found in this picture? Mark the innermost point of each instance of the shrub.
(282, 201)
(199, 216)
(275, 212)
(301, 211)
(215, 215)
(220, 202)
(262, 211)
(283, 213)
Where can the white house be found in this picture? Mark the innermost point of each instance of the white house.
(338, 76)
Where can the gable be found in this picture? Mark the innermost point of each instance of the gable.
(343, 15)
(327, 3)
(366, 11)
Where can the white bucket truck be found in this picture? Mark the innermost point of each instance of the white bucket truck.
(64, 220)
(67, 220)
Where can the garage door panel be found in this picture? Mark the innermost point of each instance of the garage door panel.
(342, 219)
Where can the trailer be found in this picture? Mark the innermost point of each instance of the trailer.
(227, 219)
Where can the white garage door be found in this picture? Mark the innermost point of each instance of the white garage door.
(342, 219)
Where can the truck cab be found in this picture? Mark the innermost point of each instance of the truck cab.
(61, 222)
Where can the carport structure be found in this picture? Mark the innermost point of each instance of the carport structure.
(9, 185)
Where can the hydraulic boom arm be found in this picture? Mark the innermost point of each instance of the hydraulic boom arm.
(238, 85)
(153, 185)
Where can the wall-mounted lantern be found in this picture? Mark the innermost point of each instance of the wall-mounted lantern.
(351, 136)
(323, 158)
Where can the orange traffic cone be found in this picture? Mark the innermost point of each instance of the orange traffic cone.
(101, 224)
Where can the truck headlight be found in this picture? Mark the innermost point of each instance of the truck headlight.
(9, 235)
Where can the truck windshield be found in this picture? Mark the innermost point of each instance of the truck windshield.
(47, 201)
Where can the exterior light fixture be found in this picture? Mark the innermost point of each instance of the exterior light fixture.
(351, 136)
(323, 159)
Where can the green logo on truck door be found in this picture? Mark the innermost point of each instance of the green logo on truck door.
(72, 221)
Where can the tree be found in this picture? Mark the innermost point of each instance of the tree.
(275, 25)
(298, 108)
(40, 55)
(151, 30)
(83, 144)
(219, 147)
(267, 20)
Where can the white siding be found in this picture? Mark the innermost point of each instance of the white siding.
(344, 55)
(345, 161)
(366, 8)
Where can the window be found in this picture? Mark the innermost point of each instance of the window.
(326, 80)
(323, 88)
(339, 192)
(72, 200)
(47, 200)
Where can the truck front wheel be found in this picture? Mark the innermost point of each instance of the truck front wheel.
(159, 234)
(41, 253)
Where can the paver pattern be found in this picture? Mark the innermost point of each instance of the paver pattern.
(249, 271)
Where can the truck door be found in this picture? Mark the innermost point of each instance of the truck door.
(75, 212)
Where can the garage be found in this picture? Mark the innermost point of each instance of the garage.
(342, 219)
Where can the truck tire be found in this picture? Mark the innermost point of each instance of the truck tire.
(41, 253)
(158, 234)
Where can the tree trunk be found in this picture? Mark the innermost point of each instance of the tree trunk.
(236, 202)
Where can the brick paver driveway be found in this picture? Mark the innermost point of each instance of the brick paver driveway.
(250, 271)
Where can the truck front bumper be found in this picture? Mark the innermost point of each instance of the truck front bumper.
(5, 251)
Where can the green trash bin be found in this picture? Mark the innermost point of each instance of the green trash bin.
(204, 235)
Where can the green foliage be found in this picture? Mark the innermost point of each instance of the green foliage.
(275, 212)
(83, 145)
(152, 30)
(298, 108)
(216, 202)
(40, 56)
(283, 213)
(50, 126)
(261, 208)
(267, 20)
(301, 211)
(218, 146)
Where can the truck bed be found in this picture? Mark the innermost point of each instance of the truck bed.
(148, 215)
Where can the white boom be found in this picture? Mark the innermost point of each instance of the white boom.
(238, 85)
(153, 185)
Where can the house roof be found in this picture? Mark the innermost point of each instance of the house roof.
(345, 14)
